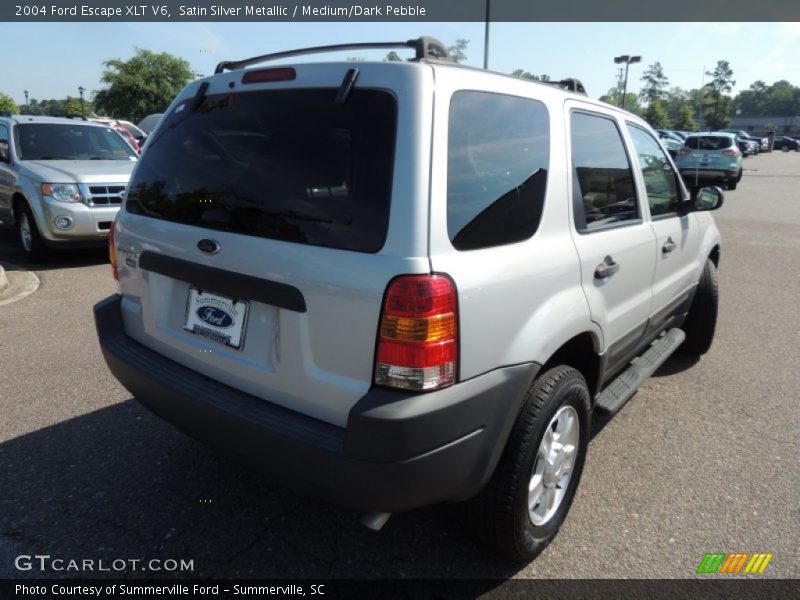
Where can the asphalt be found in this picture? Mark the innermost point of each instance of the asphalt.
(704, 458)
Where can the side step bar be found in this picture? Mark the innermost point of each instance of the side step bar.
(611, 399)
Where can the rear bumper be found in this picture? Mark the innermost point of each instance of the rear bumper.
(399, 451)
(712, 174)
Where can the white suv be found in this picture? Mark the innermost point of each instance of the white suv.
(392, 284)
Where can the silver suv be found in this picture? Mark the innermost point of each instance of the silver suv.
(61, 181)
(398, 283)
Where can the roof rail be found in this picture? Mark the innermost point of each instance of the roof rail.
(425, 47)
(72, 116)
(571, 85)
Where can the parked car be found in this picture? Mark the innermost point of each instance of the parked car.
(148, 124)
(61, 181)
(786, 143)
(670, 143)
(755, 144)
(391, 302)
(668, 133)
(711, 157)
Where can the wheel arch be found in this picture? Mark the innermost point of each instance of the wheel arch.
(582, 352)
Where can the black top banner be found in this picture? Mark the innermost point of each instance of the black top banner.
(398, 10)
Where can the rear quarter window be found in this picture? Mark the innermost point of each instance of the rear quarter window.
(498, 153)
(290, 165)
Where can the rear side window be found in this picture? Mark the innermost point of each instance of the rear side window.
(709, 142)
(603, 189)
(498, 151)
(289, 165)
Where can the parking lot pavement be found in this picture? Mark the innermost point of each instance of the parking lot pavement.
(703, 458)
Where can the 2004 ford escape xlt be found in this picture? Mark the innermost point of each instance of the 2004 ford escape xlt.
(394, 284)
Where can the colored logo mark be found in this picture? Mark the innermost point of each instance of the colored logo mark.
(734, 562)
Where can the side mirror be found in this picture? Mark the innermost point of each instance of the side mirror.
(706, 198)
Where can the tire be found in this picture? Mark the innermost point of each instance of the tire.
(500, 515)
(732, 183)
(739, 177)
(701, 322)
(28, 236)
(785, 148)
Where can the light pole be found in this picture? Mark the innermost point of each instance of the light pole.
(81, 89)
(27, 106)
(627, 60)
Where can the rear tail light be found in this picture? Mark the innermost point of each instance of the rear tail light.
(684, 151)
(731, 151)
(418, 336)
(112, 250)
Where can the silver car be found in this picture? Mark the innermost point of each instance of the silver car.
(398, 283)
(61, 181)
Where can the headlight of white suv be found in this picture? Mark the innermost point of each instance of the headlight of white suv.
(63, 192)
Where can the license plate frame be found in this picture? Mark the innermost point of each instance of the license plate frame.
(207, 315)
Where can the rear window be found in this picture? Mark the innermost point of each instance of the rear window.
(709, 142)
(289, 165)
(498, 155)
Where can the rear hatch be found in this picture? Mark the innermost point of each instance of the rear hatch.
(709, 152)
(265, 220)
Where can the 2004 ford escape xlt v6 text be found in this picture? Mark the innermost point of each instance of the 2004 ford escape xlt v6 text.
(394, 284)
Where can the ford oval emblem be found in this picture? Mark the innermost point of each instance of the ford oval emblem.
(208, 246)
(214, 316)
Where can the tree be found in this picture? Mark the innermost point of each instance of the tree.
(142, 85)
(8, 104)
(393, 57)
(656, 115)
(685, 120)
(716, 105)
(655, 83)
(457, 50)
(614, 96)
(521, 74)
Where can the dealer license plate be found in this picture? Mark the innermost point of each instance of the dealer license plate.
(218, 318)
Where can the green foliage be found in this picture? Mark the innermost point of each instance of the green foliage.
(458, 50)
(142, 85)
(393, 57)
(685, 120)
(655, 83)
(8, 104)
(632, 104)
(716, 104)
(72, 106)
(656, 115)
(780, 98)
(521, 74)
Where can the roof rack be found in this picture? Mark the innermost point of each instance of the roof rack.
(571, 85)
(425, 47)
(72, 116)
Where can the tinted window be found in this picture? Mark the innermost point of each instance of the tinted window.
(709, 142)
(603, 190)
(497, 161)
(53, 141)
(283, 164)
(663, 192)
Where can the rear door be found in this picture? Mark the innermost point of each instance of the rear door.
(677, 236)
(615, 244)
(265, 220)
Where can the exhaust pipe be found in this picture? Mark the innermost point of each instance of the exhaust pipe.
(375, 520)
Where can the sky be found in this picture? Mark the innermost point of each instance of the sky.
(60, 57)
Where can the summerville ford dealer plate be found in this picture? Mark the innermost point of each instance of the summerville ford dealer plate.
(216, 317)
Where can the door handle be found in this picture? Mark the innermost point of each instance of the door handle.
(668, 246)
(606, 268)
